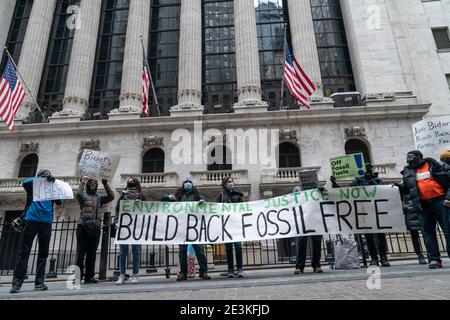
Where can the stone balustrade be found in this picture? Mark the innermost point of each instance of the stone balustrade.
(15, 184)
(283, 174)
(148, 180)
(214, 178)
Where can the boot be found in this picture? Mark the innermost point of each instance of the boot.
(422, 259)
(385, 263)
(16, 285)
(181, 277)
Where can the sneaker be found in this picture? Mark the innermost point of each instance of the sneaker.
(385, 263)
(90, 281)
(240, 274)
(121, 279)
(181, 277)
(40, 287)
(422, 260)
(134, 280)
(374, 262)
(435, 265)
(205, 276)
(318, 270)
(230, 274)
(299, 270)
(14, 289)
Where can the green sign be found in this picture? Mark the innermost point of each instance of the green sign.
(348, 166)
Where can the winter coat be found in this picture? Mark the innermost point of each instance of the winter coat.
(367, 180)
(411, 213)
(188, 196)
(128, 194)
(409, 186)
(227, 196)
(90, 204)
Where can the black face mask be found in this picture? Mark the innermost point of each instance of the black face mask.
(131, 185)
(91, 187)
(412, 159)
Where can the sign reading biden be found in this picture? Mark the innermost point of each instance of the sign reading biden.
(370, 209)
(97, 165)
(432, 136)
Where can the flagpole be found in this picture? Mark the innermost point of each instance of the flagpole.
(25, 84)
(155, 98)
(284, 61)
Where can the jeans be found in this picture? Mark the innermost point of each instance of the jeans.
(230, 260)
(415, 238)
(136, 250)
(302, 243)
(86, 248)
(377, 244)
(201, 258)
(434, 212)
(44, 232)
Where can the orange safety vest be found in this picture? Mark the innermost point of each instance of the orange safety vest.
(428, 187)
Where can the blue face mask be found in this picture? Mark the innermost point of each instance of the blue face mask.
(187, 186)
(230, 185)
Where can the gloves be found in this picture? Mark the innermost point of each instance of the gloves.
(105, 182)
(51, 178)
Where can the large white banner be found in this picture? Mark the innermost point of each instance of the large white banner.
(370, 209)
(432, 136)
(97, 165)
(57, 190)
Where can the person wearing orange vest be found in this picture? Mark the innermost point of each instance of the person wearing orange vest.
(427, 184)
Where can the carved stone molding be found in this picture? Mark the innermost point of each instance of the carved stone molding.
(249, 89)
(130, 95)
(355, 132)
(152, 141)
(79, 100)
(288, 135)
(187, 107)
(128, 109)
(93, 144)
(29, 147)
(383, 96)
(18, 203)
(251, 102)
(189, 93)
(68, 113)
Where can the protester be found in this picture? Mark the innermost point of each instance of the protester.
(230, 194)
(38, 220)
(132, 192)
(412, 222)
(427, 184)
(302, 243)
(88, 230)
(445, 159)
(188, 193)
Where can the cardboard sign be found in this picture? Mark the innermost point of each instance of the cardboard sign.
(432, 136)
(44, 190)
(352, 210)
(348, 167)
(98, 165)
(308, 179)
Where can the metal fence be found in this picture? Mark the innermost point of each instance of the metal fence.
(62, 251)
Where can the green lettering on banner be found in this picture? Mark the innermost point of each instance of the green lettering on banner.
(345, 194)
(370, 194)
(178, 207)
(126, 205)
(191, 207)
(227, 207)
(166, 207)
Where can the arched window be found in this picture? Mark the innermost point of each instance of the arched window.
(214, 164)
(153, 161)
(289, 156)
(28, 166)
(358, 146)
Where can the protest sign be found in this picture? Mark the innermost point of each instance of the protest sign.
(44, 190)
(98, 165)
(369, 209)
(308, 179)
(348, 166)
(432, 136)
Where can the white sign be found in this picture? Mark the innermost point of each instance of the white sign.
(44, 190)
(353, 210)
(98, 165)
(432, 136)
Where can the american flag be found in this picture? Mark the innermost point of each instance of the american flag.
(298, 82)
(145, 84)
(11, 95)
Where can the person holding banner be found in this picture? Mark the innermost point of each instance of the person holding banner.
(230, 194)
(427, 184)
(133, 191)
(88, 230)
(38, 219)
(188, 193)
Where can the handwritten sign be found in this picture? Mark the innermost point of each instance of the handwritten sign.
(308, 179)
(432, 136)
(98, 165)
(348, 166)
(353, 210)
(44, 190)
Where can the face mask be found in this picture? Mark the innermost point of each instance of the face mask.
(446, 160)
(131, 184)
(230, 185)
(368, 171)
(188, 186)
(91, 187)
(412, 159)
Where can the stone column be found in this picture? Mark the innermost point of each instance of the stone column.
(34, 50)
(190, 60)
(304, 41)
(247, 59)
(81, 67)
(6, 14)
(131, 93)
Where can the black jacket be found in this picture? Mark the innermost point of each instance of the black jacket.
(411, 215)
(188, 196)
(367, 180)
(227, 196)
(409, 186)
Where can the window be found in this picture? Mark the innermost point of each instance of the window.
(107, 81)
(28, 166)
(334, 57)
(448, 80)
(163, 53)
(219, 159)
(219, 59)
(442, 38)
(357, 146)
(153, 161)
(289, 156)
